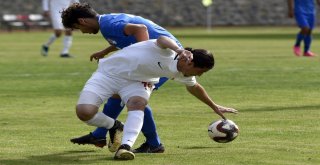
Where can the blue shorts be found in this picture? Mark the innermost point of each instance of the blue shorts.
(161, 81)
(305, 20)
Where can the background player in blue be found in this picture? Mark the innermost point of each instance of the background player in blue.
(120, 30)
(305, 14)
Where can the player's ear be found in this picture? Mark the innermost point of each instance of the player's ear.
(81, 21)
(190, 63)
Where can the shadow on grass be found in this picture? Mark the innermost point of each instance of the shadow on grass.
(293, 108)
(199, 147)
(67, 157)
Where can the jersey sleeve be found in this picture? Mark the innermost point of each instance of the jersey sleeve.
(116, 28)
(189, 81)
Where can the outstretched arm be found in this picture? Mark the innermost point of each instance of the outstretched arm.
(139, 31)
(102, 53)
(199, 92)
(165, 42)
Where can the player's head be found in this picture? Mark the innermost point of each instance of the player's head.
(202, 61)
(80, 16)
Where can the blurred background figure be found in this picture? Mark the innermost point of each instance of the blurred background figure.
(304, 12)
(52, 9)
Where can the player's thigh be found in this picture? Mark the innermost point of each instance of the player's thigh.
(302, 20)
(89, 98)
(102, 86)
(136, 90)
(88, 105)
(311, 20)
(56, 19)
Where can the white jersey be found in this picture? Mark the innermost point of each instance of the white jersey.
(144, 61)
(55, 7)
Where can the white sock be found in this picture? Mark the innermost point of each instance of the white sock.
(132, 127)
(67, 42)
(101, 120)
(52, 38)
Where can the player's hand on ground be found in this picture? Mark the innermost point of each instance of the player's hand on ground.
(96, 56)
(184, 54)
(223, 109)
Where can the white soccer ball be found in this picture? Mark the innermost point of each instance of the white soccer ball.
(223, 131)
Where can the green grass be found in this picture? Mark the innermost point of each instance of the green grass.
(276, 93)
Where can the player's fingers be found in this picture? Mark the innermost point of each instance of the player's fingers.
(231, 110)
(228, 110)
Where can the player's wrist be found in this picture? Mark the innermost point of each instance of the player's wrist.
(178, 50)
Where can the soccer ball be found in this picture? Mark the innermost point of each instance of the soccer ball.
(223, 131)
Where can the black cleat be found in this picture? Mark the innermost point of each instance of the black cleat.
(66, 55)
(89, 139)
(146, 148)
(124, 153)
(115, 136)
(44, 50)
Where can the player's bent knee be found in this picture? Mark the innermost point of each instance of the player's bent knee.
(306, 31)
(136, 103)
(86, 112)
(68, 32)
(58, 33)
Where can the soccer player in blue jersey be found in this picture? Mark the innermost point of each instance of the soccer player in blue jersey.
(120, 30)
(304, 12)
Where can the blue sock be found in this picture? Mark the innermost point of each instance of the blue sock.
(112, 109)
(149, 128)
(299, 38)
(307, 42)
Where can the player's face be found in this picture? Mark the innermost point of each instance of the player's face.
(86, 29)
(190, 70)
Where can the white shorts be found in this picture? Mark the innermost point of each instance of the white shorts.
(56, 19)
(105, 86)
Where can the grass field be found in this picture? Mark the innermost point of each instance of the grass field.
(276, 93)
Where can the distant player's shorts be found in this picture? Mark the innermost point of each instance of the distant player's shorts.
(100, 87)
(56, 19)
(305, 20)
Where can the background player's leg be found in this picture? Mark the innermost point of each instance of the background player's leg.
(67, 42)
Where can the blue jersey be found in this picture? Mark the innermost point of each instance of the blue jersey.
(304, 6)
(112, 29)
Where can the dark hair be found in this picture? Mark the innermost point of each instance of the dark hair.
(74, 11)
(202, 58)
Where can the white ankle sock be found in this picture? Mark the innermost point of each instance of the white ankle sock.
(67, 42)
(132, 127)
(101, 120)
(52, 38)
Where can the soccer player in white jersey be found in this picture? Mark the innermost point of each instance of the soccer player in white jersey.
(53, 9)
(120, 30)
(132, 72)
